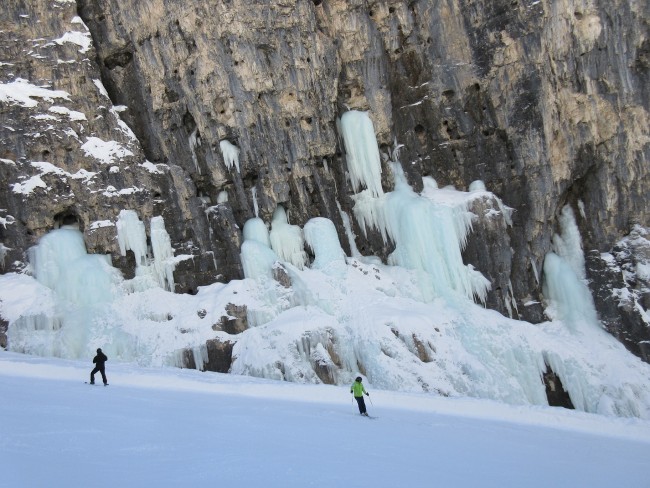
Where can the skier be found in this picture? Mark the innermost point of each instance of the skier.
(99, 361)
(358, 390)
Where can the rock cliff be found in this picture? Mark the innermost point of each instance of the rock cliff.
(141, 104)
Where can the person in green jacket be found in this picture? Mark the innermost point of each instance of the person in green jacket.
(358, 390)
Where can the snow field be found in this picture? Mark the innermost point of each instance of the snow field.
(167, 427)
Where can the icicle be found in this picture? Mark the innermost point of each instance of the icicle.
(511, 295)
(3, 254)
(194, 142)
(82, 287)
(131, 236)
(354, 251)
(428, 236)
(506, 301)
(163, 254)
(534, 266)
(287, 240)
(568, 244)
(230, 154)
(257, 256)
(569, 298)
(364, 163)
(256, 209)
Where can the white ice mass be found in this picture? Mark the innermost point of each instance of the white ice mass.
(287, 240)
(364, 163)
(410, 324)
(230, 154)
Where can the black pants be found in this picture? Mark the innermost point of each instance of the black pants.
(100, 369)
(362, 404)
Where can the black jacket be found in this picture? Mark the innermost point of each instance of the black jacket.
(100, 359)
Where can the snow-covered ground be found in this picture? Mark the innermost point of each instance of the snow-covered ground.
(171, 427)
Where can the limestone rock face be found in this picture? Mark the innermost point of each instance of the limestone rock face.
(544, 101)
(621, 288)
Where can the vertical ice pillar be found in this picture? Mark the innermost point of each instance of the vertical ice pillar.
(569, 298)
(568, 244)
(258, 261)
(131, 236)
(194, 142)
(256, 209)
(364, 163)
(163, 254)
(347, 225)
(256, 254)
(287, 240)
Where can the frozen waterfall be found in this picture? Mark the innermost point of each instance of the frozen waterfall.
(287, 240)
(564, 277)
(364, 163)
(429, 234)
(313, 314)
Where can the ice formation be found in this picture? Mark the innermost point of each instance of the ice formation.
(409, 324)
(154, 266)
(477, 186)
(61, 263)
(569, 297)
(74, 290)
(347, 225)
(256, 254)
(78, 301)
(131, 235)
(195, 141)
(364, 163)
(230, 154)
(163, 254)
(428, 236)
(568, 244)
(222, 197)
(256, 208)
(287, 240)
(321, 236)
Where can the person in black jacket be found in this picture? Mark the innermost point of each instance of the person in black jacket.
(99, 361)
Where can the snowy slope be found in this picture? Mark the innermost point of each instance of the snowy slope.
(170, 427)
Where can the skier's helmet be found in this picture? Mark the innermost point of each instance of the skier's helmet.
(99, 349)
(358, 378)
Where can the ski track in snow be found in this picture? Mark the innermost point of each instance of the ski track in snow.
(172, 427)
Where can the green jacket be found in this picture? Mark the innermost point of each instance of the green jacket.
(357, 388)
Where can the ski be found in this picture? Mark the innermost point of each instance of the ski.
(94, 384)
